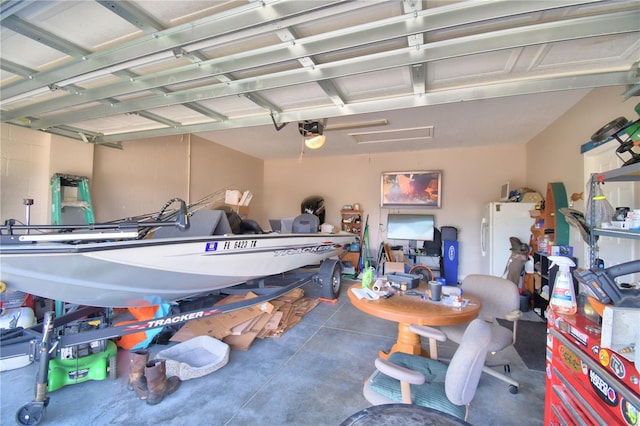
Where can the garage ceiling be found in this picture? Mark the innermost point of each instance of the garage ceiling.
(386, 75)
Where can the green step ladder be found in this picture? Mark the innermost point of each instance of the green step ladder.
(70, 205)
(70, 200)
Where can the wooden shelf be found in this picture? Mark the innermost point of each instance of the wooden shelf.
(352, 222)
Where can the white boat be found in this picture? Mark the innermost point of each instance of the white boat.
(97, 267)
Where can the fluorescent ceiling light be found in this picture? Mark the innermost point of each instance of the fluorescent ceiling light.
(357, 125)
(365, 142)
(394, 135)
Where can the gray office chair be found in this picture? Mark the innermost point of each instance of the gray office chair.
(413, 379)
(500, 298)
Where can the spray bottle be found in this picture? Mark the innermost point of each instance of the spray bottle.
(563, 296)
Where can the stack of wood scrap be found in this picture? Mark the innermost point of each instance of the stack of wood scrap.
(241, 327)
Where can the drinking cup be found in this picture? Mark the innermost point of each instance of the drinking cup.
(435, 291)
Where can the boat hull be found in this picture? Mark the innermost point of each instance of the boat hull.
(144, 272)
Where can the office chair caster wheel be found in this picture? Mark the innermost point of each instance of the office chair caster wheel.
(513, 389)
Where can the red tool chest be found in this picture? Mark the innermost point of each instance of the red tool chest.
(587, 384)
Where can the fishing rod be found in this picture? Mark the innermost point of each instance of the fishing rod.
(123, 230)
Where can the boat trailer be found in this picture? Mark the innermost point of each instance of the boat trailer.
(42, 343)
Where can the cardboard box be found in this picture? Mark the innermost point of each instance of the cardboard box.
(393, 267)
(232, 196)
(243, 211)
(397, 256)
(219, 326)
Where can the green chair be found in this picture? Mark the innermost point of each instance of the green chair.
(412, 379)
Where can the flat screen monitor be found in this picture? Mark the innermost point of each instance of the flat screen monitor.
(410, 226)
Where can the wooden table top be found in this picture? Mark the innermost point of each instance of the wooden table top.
(413, 310)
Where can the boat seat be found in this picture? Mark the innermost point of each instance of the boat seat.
(239, 225)
(251, 227)
(306, 223)
(201, 223)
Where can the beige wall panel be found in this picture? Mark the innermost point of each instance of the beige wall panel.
(71, 157)
(144, 175)
(216, 168)
(24, 159)
(140, 178)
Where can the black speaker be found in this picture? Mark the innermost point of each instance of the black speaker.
(449, 233)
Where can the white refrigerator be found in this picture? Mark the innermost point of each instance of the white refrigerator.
(501, 221)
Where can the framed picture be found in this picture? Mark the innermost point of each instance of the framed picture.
(411, 189)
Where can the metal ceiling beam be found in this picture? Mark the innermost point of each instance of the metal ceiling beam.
(511, 88)
(126, 74)
(418, 71)
(419, 79)
(45, 37)
(14, 68)
(205, 111)
(157, 118)
(286, 35)
(468, 45)
(332, 92)
(401, 26)
(261, 102)
(254, 14)
(133, 14)
(10, 7)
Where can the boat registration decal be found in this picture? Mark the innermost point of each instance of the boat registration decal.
(230, 245)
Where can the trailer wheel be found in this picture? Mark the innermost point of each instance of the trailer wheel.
(330, 278)
(113, 368)
(31, 413)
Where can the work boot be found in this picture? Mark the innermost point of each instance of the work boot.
(137, 381)
(158, 383)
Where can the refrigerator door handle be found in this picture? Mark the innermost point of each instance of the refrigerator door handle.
(483, 236)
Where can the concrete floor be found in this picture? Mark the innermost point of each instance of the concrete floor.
(312, 375)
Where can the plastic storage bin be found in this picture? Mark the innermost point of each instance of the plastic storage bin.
(196, 357)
